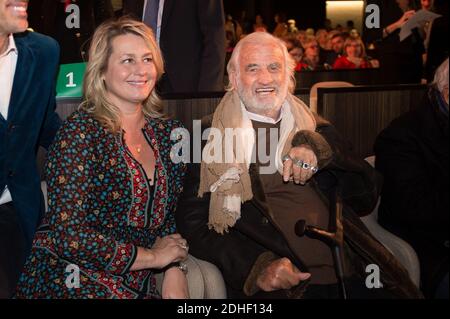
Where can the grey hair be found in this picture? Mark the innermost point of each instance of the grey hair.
(441, 77)
(259, 38)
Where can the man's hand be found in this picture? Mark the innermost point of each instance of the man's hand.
(298, 155)
(280, 274)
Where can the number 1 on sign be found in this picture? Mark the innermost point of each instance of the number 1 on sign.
(70, 84)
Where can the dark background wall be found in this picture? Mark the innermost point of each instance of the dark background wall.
(309, 13)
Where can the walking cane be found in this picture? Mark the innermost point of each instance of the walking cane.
(334, 238)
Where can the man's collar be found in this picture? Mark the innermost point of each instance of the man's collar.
(11, 46)
(265, 119)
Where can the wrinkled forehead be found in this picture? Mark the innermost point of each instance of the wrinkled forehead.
(261, 53)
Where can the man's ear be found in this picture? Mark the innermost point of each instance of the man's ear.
(233, 79)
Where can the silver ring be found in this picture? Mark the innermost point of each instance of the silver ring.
(306, 165)
(286, 158)
(314, 169)
(183, 267)
(298, 162)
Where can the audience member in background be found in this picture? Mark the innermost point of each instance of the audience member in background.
(281, 28)
(336, 41)
(424, 29)
(301, 37)
(311, 58)
(310, 32)
(49, 17)
(412, 154)
(28, 67)
(354, 33)
(245, 22)
(401, 61)
(259, 24)
(112, 185)
(292, 27)
(296, 53)
(437, 44)
(291, 42)
(328, 25)
(350, 25)
(233, 31)
(426, 4)
(191, 35)
(322, 38)
(354, 56)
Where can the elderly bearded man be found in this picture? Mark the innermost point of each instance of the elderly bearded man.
(241, 215)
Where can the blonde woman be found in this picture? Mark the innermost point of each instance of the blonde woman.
(112, 185)
(354, 56)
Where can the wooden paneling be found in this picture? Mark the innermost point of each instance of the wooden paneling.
(360, 113)
(306, 79)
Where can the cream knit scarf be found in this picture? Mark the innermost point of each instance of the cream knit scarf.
(226, 160)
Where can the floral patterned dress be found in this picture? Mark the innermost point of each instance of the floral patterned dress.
(101, 208)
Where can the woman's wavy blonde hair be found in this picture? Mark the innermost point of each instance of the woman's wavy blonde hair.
(95, 101)
(358, 40)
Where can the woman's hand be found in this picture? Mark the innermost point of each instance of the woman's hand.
(169, 249)
(399, 23)
(166, 250)
(174, 284)
(406, 16)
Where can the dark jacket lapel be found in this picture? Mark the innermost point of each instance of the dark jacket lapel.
(23, 80)
(168, 5)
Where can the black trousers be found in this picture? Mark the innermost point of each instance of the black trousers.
(12, 250)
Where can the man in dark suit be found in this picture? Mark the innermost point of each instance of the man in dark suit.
(49, 17)
(191, 35)
(28, 65)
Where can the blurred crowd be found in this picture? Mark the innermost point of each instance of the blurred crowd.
(322, 49)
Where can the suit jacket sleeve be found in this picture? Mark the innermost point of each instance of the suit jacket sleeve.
(52, 121)
(212, 21)
(357, 183)
(413, 193)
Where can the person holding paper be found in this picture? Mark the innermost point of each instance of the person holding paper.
(400, 61)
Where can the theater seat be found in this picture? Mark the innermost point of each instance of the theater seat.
(404, 253)
(328, 84)
(205, 280)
